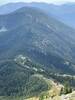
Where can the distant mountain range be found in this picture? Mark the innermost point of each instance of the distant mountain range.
(64, 13)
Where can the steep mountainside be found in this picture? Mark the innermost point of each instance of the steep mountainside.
(37, 57)
(31, 32)
(64, 12)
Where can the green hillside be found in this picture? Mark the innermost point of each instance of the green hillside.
(37, 54)
(31, 32)
(20, 78)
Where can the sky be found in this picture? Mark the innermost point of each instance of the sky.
(47, 1)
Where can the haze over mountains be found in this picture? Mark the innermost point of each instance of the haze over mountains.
(32, 32)
(37, 53)
(64, 13)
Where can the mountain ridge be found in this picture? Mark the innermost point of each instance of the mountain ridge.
(64, 12)
(37, 53)
(42, 32)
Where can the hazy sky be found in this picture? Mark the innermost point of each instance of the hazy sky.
(48, 1)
